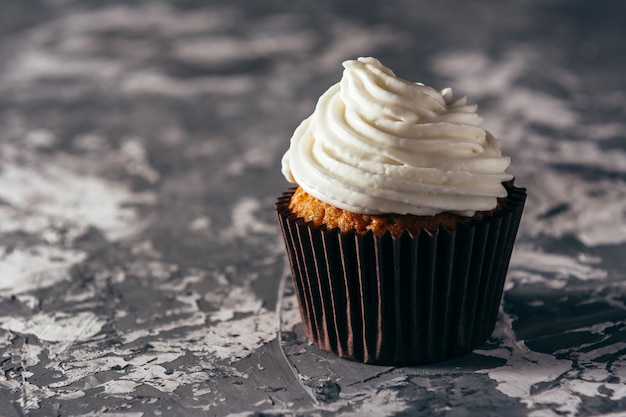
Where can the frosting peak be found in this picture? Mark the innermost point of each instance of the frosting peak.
(380, 144)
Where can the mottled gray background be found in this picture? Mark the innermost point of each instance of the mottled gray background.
(141, 268)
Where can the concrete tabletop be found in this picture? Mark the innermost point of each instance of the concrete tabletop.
(142, 271)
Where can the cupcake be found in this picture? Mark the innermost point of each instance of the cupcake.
(401, 224)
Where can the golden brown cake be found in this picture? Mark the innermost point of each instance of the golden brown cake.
(314, 210)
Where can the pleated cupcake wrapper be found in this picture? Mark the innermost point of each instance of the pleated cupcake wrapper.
(403, 300)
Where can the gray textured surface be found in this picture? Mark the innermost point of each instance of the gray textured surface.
(141, 267)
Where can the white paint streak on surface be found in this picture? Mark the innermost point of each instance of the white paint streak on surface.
(234, 339)
(31, 394)
(70, 395)
(599, 221)
(524, 370)
(119, 387)
(57, 327)
(52, 195)
(232, 301)
(383, 403)
(530, 264)
(37, 267)
(221, 50)
(245, 221)
(200, 224)
(159, 378)
(550, 385)
(152, 82)
(136, 160)
(27, 354)
(151, 330)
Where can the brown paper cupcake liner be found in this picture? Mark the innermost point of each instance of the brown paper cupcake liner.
(405, 300)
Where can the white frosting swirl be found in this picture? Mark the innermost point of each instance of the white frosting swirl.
(380, 144)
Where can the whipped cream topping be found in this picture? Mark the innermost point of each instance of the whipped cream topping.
(380, 144)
